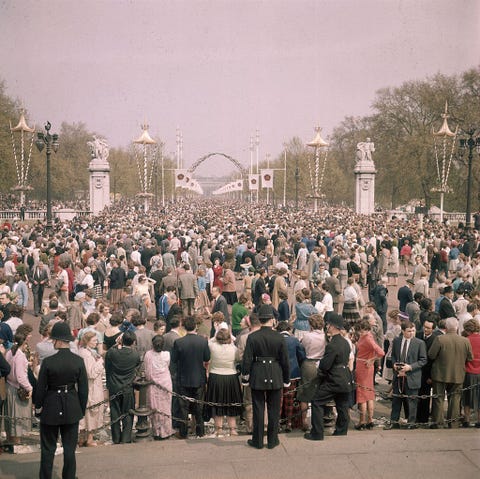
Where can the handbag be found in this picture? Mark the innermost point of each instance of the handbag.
(23, 394)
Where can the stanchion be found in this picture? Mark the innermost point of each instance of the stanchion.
(143, 431)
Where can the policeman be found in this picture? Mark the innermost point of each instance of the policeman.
(266, 368)
(60, 402)
(335, 381)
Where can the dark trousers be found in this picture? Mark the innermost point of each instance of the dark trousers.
(195, 393)
(37, 298)
(423, 405)
(48, 441)
(409, 404)
(273, 399)
(122, 430)
(318, 411)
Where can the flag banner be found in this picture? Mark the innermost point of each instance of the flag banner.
(253, 182)
(181, 178)
(267, 178)
(236, 185)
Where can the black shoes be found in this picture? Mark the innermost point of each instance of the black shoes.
(370, 425)
(274, 444)
(338, 433)
(252, 444)
(311, 437)
(392, 425)
(360, 427)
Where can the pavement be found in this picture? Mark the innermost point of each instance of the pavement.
(372, 454)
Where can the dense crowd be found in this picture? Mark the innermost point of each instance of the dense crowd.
(173, 294)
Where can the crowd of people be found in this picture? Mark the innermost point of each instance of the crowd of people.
(138, 291)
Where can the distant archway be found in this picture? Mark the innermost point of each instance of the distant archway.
(233, 160)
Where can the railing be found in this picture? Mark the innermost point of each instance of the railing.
(452, 218)
(41, 215)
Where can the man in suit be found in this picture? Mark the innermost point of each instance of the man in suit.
(446, 308)
(188, 290)
(266, 368)
(427, 336)
(409, 355)
(413, 310)
(60, 402)
(121, 365)
(219, 305)
(334, 288)
(404, 295)
(419, 269)
(449, 353)
(335, 381)
(38, 277)
(189, 356)
(260, 286)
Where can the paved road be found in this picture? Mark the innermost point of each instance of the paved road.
(373, 454)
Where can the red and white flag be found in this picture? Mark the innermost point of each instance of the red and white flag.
(253, 182)
(267, 178)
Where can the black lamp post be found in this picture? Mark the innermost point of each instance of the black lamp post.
(51, 142)
(471, 142)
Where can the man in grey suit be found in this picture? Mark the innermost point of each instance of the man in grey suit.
(188, 290)
(38, 278)
(409, 355)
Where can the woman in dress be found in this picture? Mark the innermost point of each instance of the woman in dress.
(350, 307)
(302, 258)
(303, 310)
(393, 266)
(95, 370)
(112, 333)
(159, 394)
(471, 397)
(229, 290)
(202, 302)
(217, 274)
(97, 281)
(223, 385)
(18, 379)
(367, 352)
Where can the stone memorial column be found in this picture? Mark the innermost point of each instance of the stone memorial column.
(365, 178)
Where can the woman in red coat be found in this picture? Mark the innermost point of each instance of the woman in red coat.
(367, 351)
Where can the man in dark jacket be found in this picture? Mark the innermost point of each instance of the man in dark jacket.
(121, 365)
(335, 381)
(189, 356)
(60, 402)
(266, 368)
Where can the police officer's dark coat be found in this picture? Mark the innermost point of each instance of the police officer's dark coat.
(62, 388)
(266, 360)
(334, 374)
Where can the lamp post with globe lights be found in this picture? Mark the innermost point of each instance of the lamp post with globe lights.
(49, 140)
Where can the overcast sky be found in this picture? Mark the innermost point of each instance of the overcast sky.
(220, 69)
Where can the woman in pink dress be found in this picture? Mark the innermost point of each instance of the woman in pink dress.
(159, 394)
(217, 274)
(367, 351)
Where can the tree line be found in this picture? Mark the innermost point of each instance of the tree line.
(401, 123)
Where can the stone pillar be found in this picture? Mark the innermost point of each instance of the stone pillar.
(99, 185)
(365, 187)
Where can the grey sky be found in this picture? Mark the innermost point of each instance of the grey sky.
(221, 69)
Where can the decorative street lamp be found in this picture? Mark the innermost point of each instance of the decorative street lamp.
(316, 180)
(446, 138)
(471, 142)
(51, 142)
(147, 146)
(22, 157)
